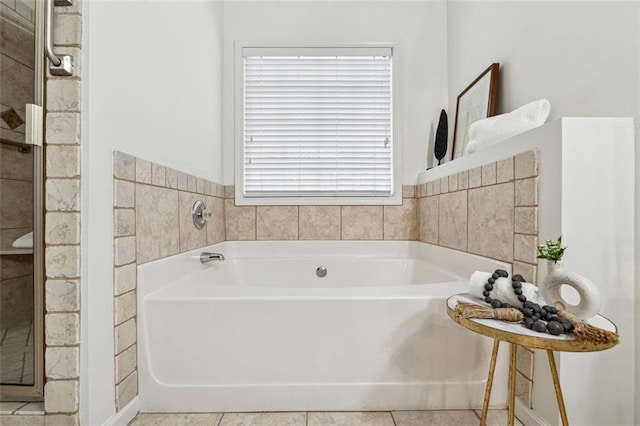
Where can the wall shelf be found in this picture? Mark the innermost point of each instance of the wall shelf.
(15, 251)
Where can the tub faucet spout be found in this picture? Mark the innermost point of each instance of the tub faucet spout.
(208, 257)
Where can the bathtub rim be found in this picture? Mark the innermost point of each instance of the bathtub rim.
(158, 273)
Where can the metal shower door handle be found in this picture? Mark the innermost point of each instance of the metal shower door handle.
(61, 65)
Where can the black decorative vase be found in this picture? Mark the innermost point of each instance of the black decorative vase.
(440, 147)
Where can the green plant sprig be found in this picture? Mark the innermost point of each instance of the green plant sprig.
(551, 250)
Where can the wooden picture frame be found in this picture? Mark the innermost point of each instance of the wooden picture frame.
(476, 102)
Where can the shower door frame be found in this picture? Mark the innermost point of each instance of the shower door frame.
(35, 392)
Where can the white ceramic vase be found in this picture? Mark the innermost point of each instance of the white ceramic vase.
(589, 304)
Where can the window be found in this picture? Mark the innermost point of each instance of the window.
(316, 123)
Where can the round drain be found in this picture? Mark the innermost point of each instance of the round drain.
(321, 271)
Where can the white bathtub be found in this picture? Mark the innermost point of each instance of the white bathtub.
(260, 331)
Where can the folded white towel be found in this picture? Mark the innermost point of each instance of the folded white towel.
(502, 289)
(489, 131)
(26, 241)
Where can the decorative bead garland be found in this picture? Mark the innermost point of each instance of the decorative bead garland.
(534, 314)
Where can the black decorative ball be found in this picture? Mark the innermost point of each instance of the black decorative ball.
(540, 326)
(555, 328)
(568, 327)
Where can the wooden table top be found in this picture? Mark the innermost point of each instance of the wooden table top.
(521, 335)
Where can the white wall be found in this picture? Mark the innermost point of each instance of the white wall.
(155, 78)
(152, 87)
(637, 249)
(418, 28)
(581, 56)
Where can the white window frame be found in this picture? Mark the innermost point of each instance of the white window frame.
(396, 194)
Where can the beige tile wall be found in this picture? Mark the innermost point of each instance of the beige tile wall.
(321, 222)
(490, 211)
(151, 220)
(62, 229)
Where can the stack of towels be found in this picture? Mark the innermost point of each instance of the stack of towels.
(489, 131)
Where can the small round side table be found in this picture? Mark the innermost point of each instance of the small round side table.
(518, 334)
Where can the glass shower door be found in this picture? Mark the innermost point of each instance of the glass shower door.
(21, 311)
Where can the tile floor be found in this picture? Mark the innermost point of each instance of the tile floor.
(368, 418)
(16, 354)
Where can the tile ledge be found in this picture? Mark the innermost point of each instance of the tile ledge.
(23, 408)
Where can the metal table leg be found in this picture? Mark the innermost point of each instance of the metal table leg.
(487, 392)
(556, 385)
(512, 384)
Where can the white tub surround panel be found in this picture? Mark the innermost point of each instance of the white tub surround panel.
(151, 219)
(265, 333)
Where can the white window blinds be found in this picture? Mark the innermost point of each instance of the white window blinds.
(318, 122)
